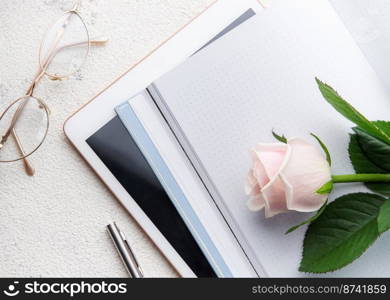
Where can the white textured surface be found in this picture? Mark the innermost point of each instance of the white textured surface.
(53, 224)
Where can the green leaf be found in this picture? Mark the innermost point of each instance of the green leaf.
(342, 233)
(311, 219)
(375, 150)
(280, 138)
(358, 158)
(323, 146)
(326, 188)
(384, 217)
(348, 111)
(383, 125)
(362, 164)
(381, 188)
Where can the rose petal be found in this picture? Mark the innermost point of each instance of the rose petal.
(256, 203)
(274, 198)
(305, 172)
(274, 192)
(271, 156)
(260, 174)
(267, 160)
(256, 179)
(252, 187)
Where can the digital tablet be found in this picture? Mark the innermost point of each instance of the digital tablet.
(100, 137)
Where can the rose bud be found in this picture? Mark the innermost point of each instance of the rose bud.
(286, 177)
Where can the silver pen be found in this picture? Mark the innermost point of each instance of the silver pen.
(125, 251)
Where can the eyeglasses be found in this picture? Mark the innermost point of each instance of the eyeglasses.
(25, 122)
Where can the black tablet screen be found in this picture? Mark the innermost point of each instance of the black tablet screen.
(118, 151)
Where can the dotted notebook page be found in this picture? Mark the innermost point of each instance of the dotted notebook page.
(260, 76)
(368, 22)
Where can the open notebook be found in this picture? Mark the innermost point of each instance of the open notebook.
(260, 76)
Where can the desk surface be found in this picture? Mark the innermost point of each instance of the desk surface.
(53, 224)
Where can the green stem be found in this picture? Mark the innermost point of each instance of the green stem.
(361, 178)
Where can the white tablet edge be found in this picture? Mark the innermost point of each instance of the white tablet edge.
(100, 109)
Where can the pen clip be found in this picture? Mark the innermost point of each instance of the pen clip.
(130, 251)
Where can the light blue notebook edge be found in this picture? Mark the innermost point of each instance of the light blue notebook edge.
(175, 193)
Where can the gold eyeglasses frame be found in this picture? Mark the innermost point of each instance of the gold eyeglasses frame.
(43, 66)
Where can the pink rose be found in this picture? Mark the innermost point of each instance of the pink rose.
(286, 177)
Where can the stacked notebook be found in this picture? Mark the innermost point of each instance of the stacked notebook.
(196, 124)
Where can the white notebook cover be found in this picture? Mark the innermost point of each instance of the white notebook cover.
(260, 77)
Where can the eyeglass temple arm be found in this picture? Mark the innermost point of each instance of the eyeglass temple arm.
(30, 90)
(39, 76)
(27, 165)
(76, 5)
(42, 69)
(41, 72)
(54, 51)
